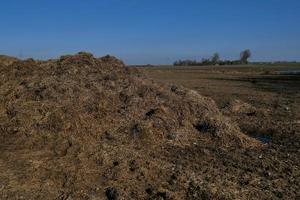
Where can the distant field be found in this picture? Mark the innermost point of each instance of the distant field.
(231, 68)
(260, 85)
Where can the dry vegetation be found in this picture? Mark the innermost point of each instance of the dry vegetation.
(7, 60)
(90, 128)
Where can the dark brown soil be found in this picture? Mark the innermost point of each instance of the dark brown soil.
(90, 128)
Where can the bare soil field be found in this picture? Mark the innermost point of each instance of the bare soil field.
(80, 127)
(259, 85)
(265, 104)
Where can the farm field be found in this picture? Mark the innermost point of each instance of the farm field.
(259, 85)
(264, 103)
(85, 127)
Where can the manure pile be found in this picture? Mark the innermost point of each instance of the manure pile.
(81, 127)
(7, 60)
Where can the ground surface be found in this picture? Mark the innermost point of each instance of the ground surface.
(275, 99)
(259, 85)
(81, 127)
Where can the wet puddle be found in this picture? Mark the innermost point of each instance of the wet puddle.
(264, 138)
(289, 72)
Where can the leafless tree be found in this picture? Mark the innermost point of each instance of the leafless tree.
(215, 58)
(245, 55)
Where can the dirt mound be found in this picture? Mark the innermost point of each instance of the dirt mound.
(7, 60)
(81, 127)
(239, 107)
(251, 120)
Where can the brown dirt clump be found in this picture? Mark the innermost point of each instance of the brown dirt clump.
(81, 127)
(7, 60)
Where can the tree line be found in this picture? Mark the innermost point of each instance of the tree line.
(215, 60)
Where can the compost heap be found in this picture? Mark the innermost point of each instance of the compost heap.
(81, 127)
(7, 60)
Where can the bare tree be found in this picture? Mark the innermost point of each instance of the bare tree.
(245, 55)
(215, 58)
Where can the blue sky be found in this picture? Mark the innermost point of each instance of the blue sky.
(151, 31)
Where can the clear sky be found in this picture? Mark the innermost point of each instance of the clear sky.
(151, 31)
